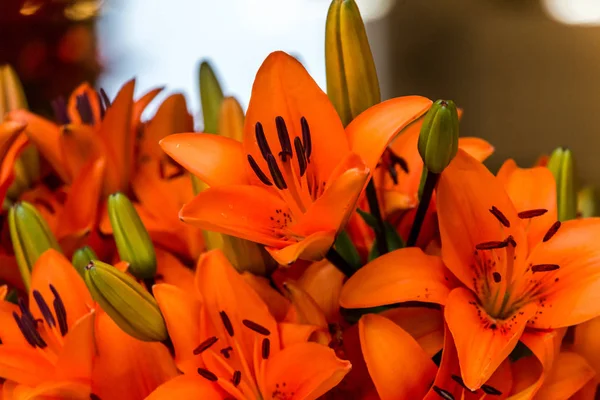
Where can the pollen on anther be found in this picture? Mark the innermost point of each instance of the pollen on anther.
(256, 327)
(205, 345)
(552, 231)
(226, 323)
(532, 213)
(207, 375)
(495, 244)
(500, 216)
(237, 378)
(266, 348)
(544, 267)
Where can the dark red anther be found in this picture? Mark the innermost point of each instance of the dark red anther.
(552, 231)
(444, 394)
(494, 244)
(276, 173)
(500, 216)
(59, 106)
(266, 348)
(532, 213)
(205, 345)
(511, 240)
(284, 139)
(84, 108)
(487, 389)
(261, 175)
(226, 323)
(207, 375)
(256, 327)
(237, 378)
(544, 267)
(261, 140)
(44, 308)
(60, 311)
(300, 155)
(306, 139)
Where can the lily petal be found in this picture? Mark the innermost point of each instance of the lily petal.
(586, 342)
(312, 248)
(426, 325)
(371, 132)
(402, 275)
(309, 370)
(24, 365)
(482, 342)
(570, 373)
(477, 148)
(76, 357)
(181, 310)
(466, 193)
(83, 90)
(248, 212)
(323, 282)
(571, 294)
(277, 303)
(304, 310)
(188, 387)
(171, 271)
(14, 146)
(216, 160)
(387, 349)
(284, 88)
(78, 144)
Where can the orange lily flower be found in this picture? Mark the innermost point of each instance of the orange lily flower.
(516, 269)
(294, 181)
(48, 347)
(12, 143)
(227, 343)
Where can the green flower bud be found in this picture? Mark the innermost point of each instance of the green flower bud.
(562, 167)
(586, 202)
(133, 241)
(211, 97)
(30, 236)
(438, 139)
(231, 119)
(82, 257)
(12, 96)
(126, 302)
(352, 84)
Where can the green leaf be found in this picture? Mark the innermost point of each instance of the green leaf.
(394, 241)
(211, 97)
(352, 315)
(368, 218)
(344, 246)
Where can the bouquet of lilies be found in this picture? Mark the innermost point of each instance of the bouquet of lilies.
(317, 245)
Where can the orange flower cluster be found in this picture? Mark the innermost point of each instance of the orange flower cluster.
(282, 255)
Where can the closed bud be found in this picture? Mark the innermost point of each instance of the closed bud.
(586, 202)
(12, 96)
(231, 119)
(82, 257)
(133, 241)
(211, 97)
(352, 84)
(126, 302)
(30, 236)
(245, 255)
(438, 139)
(562, 167)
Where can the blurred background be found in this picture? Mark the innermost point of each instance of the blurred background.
(525, 71)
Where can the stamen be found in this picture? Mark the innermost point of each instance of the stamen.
(302, 164)
(44, 309)
(276, 172)
(226, 351)
(306, 139)
(444, 394)
(261, 175)
(487, 389)
(501, 217)
(85, 109)
(94, 396)
(284, 139)
(544, 267)
(266, 348)
(491, 245)
(256, 327)
(552, 231)
(105, 97)
(261, 140)
(460, 381)
(497, 277)
(26, 334)
(226, 323)
(207, 375)
(59, 106)
(237, 378)
(205, 345)
(60, 311)
(102, 107)
(29, 326)
(511, 240)
(532, 213)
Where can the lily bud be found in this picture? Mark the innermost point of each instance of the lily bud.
(562, 167)
(586, 202)
(30, 236)
(211, 97)
(82, 257)
(133, 241)
(352, 84)
(126, 302)
(438, 139)
(243, 254)
(12, 96)
(231, 119)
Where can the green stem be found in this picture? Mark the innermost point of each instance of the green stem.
(339, 262)
(382, 245)
(430, 182)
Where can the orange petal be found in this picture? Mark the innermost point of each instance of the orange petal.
(570, 373)
(569, 295)
(188, 387)
(278, 305)
(24, 365)
(586, 342)
(483, 342)
(223, 289)
(532, 189)
(448, 371)
(51, 390)
(171, 271)
(466, 193)
(78, 217)
(323, 282)
(216, 160)
(311, 248)
(118, 140)
(304, 310)
(283, 88)
(79, 144)
(309, 370)
(75, 360)
(14, 145)
(140, 105)
(248, 212)
(52, 268)
(387, 349)
(371, 132)
(45, 135)
(476, 147)
(425, 325)
(126, 368)
(291, 333)
(506, 170)
(83, 90)
(181, 310)
(402, 275)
